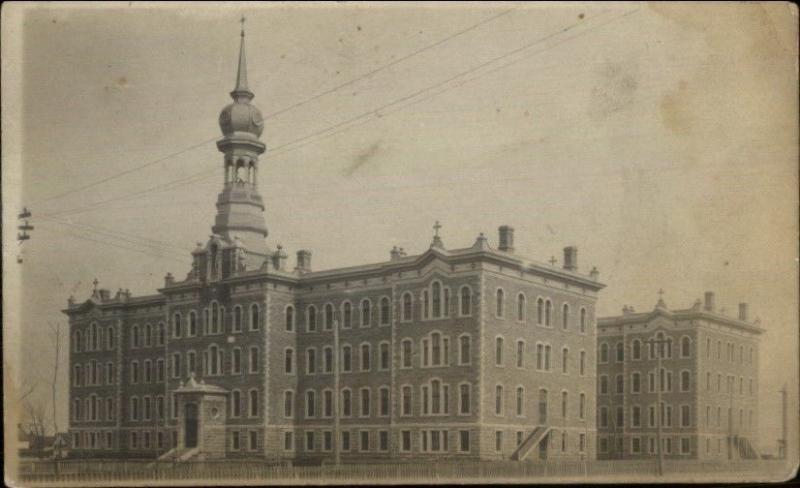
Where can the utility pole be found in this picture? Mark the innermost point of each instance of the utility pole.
(658, 345)
(23, 235)
(336, 442)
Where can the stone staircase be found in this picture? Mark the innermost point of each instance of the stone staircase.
(179, 454)
(529, 443)
(745, 449)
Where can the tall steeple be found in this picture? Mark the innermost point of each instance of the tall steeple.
(240, 208)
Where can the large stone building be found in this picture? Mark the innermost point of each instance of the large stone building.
(708, 382)
(474, 353)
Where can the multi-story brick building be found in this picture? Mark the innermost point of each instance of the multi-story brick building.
(473, 352)
(708, 382)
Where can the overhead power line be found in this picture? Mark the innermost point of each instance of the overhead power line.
(308, 139)
(279, 112)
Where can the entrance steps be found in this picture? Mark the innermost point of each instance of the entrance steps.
(529, 443)
(179, 454)
(745, 448)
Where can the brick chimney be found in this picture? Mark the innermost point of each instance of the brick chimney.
(743, 312)
(709, 303)
(506, 233)
(571, 258)
(303, 261)
(395, 253)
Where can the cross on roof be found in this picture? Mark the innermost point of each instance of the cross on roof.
(552, 260)
(660, 293)
(95, 282)
(436, 228)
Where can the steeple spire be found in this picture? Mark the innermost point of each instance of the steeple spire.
(242, 91)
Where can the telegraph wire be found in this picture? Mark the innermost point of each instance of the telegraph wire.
(304, 140)
(115, 233)
(274, 114)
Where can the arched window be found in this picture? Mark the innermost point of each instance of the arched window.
(620, 352)
(135, 338)
(161, 334)
(311, 360)
(520, 354)
(603, 384)
(520, 401)
(466, 301)
(213, 360)
(498, 400)
(540, 356)
(547, 350)
(148, 335)
(290, 319)
(327, 359)
(347, 402)
(347, 315)
(385, 311)
(636, 349)
(311, 319)
(237, 318)
(548, 312)
(214, 318)
(540, 311)
(236, 403)
(565, 317)
(254, 403)
(686, 347)
(288, 404)
(426, 306)
(288, 360)
(347, 358)
(436, 348)
(328, 323)
(110, 338)
(366, 362)
(565, 360)
(366, 313)
(500, 305)
(603, 352)
(686, 381)
(365, 402)
(406, 353)
(407, 306)
(464, 395)
(620, 384)
(436, 299)
(254, 359)
(520, 307)
(498, 354)
(192, 323)
(176, 325)
(583, 320)
(255, 317)
(95, 341)
(464, 354)
(78, 341)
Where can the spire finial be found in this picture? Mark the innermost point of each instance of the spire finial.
(95, 283)
(242, 91)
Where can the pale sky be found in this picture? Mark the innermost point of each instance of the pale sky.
(659, 139)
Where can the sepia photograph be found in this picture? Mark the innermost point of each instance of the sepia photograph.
(366, 243)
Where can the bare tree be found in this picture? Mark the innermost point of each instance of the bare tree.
(35, 425)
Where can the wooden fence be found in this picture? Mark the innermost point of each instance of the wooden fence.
(100, 471)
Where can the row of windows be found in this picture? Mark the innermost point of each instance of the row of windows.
(94, 374)
(428, 440)
(718, 421)
(241, 404)
(142, 409)
(730, 384)
(214, 322)
(663, 349)
(93, 408)
(553, 440)
(434, 399)
(730, 352)
(542, 402)
(543, 355)
(93, 340)
(544, 311)
(212, 362)
(637, 443)
(604, 419)
(93, 440)
(665, 380)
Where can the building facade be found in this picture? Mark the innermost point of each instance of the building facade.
(708, 382)
(465, 353)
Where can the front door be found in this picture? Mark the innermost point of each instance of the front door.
(190, 427)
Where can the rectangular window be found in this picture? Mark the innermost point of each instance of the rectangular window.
(254, 357)
(309, 440)
(463, 440)
(405, 444)
(327, 441)
(636, 445)
(384, 356)
(498, 440)
(365, 359)
(406, 401)
(288, 441)
(384, 402)
(383, 440)
(582, 365)
(236, 361)
(345, 440)
(364, 446)
(253, 440)
(685, 446)
(235, 444)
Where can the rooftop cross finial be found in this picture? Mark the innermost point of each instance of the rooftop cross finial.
(552, 260)
(436, 228)
(95, 283)
(242, 92)
(660, 293)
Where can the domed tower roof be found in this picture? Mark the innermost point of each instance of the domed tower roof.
(241, 118)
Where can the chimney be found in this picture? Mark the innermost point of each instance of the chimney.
(506, 238)
(303, 261)
(169, 280)
(571, 258)
(594, 274)
(394, 253)
(279, 258)
(743, 312)
(709, 304)
(402, 252)
(105, 294)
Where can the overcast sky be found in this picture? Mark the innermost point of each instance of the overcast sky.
(661, 140)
